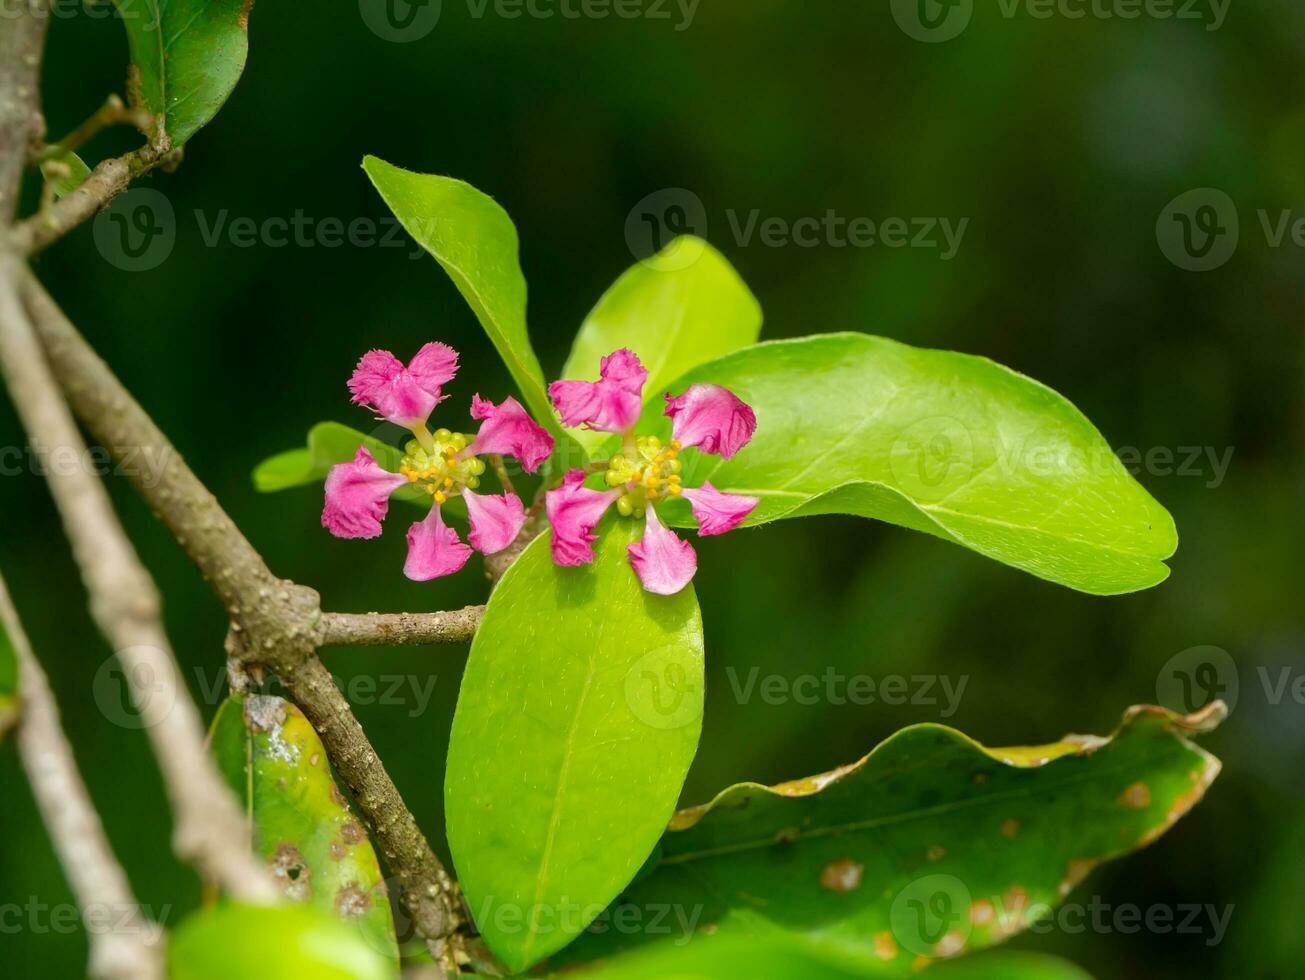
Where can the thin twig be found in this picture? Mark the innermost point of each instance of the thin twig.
(275, 623)
(496, 462)
(400, 629)
(207, 825)
(112, 113)
(128, 946)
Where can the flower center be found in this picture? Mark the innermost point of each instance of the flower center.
(442, 471)
(647, 469)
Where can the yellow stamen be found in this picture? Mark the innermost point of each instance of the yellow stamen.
(439, 497)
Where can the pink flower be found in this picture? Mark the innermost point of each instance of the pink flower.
(643, 472)
(404, 395)
(712, 418)
(510, 431)
(574, 511)
(612, 404)
(443, 464)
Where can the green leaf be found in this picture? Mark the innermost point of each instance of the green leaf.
(187, 56)
(675, 316)
(950, 444)
(473, 238)
(300, 822)
(722, 959)
(329, 443)
(579, 713)
(929, 846)
(65, 183)
(286, 942)
(1008, 965)
(8, 682)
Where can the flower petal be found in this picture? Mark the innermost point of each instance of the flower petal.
(495, 520)
(612, 404)
(358, 496)
(433, 549)
(664, 562)
(433, 366)
(712, 418)
(717, 511)
(574, 511)
(510, 431)
(403, 395)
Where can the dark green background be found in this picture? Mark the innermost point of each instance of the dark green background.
(1061, 141)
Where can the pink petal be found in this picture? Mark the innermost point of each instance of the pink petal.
(574, 511)
(510, 431)
(716, 511)
(357, 496)
(665, 563)
(433, 549)
(612, 404)
(712, 418)
(404, 395)
(495, 520)
(433, 366)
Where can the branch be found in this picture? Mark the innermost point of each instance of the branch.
(105, 182)
(208, 827)
(22, 37)
(274, 622)
(131, 947)
(112, 113)
(400, 629)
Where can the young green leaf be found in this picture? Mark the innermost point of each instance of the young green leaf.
(8, 682)
(66, 173)
(675, 317)
(300, 823)
(579, 713)
(289, 942)
(187, 56)
(950, 444)
(472, 237)
(929, 846)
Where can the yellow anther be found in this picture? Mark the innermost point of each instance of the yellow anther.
(448, 482)
(675, 445)
(673, 478)
(652, 494)
(440, 497)
(675, 489)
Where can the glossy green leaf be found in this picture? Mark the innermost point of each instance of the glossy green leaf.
(950, 444)
(65, 183)
(8, 682)
(929, 846)
(674, 315)
(285, 942)
(1008, 965)
(473, 238)
(187, 56)
(329, 443)
(299, 821)
(579, 713)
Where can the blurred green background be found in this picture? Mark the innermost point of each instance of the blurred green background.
(1061, 140)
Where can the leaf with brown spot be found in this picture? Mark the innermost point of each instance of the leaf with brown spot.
(8, 683)
(948, 862)
(299, 822)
